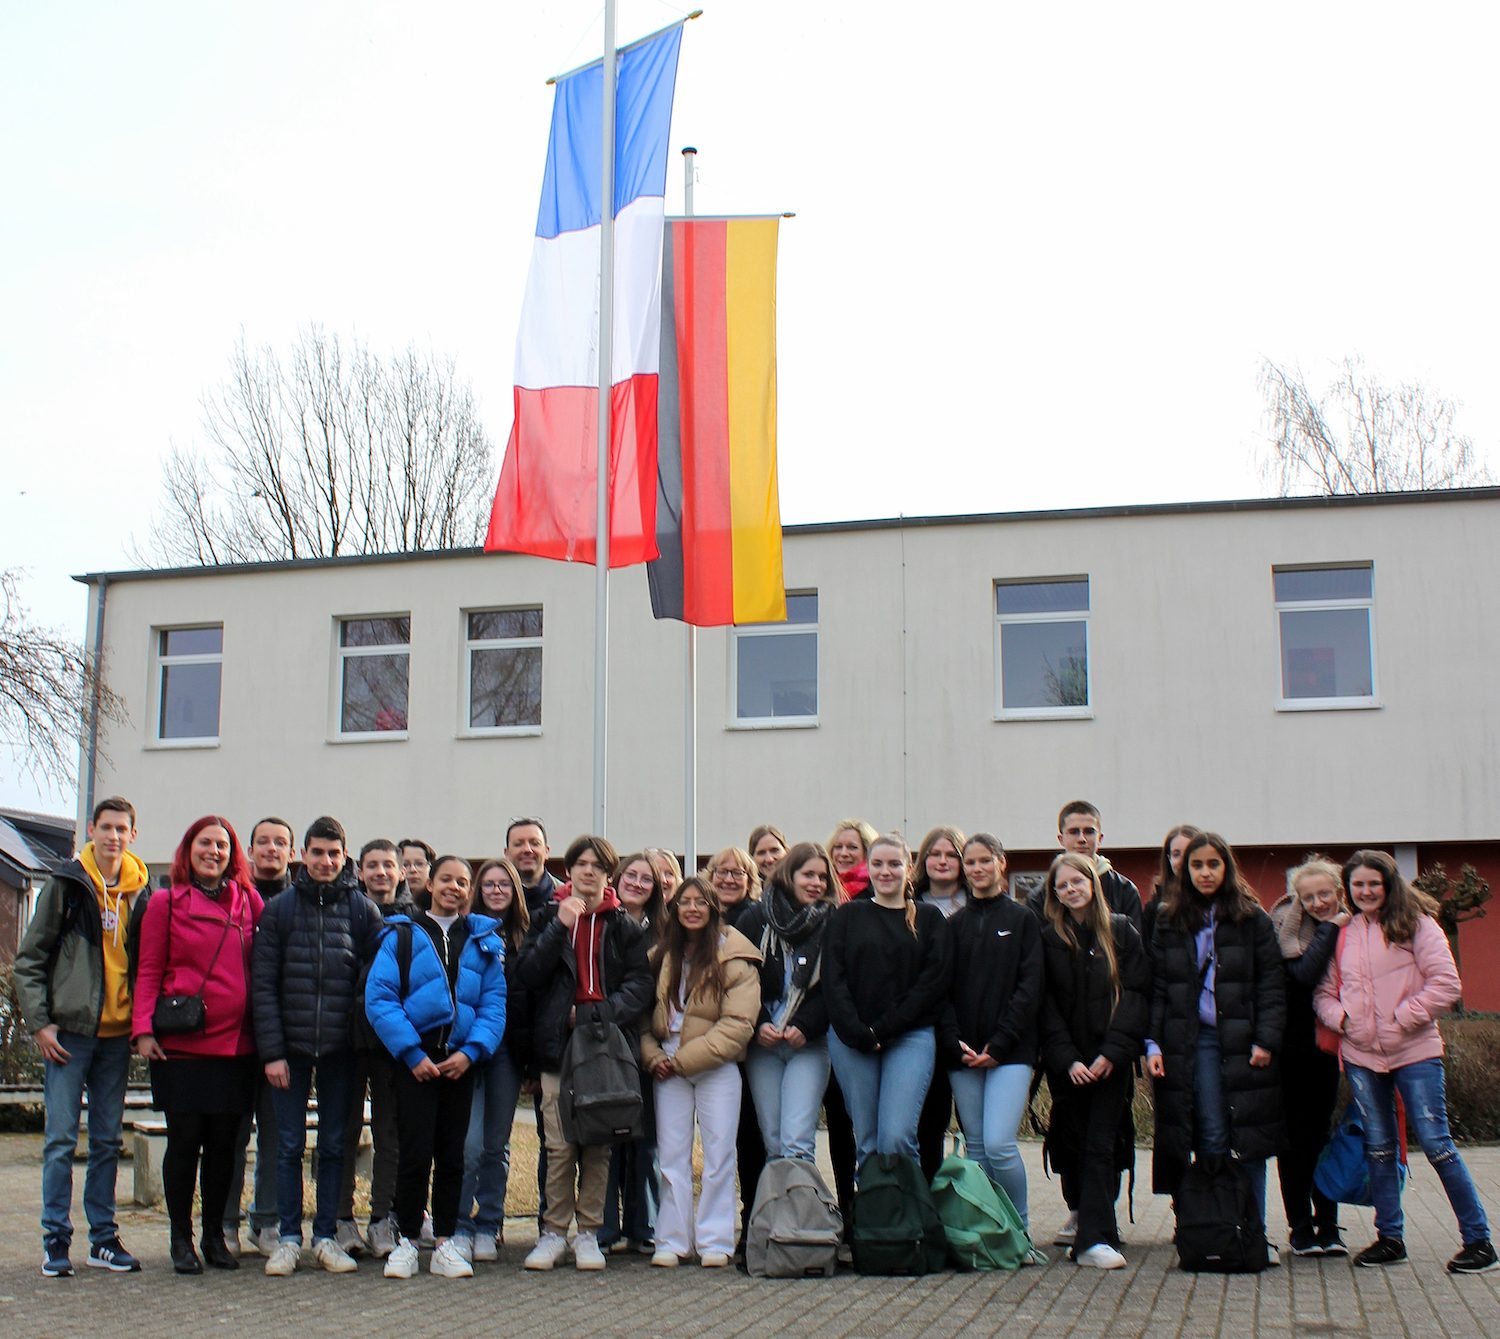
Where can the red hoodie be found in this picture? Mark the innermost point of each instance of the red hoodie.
(588, 940)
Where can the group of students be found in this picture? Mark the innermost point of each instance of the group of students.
(786, 982)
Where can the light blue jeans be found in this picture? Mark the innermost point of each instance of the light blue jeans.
(787, 1086)
(100, 1065)
(1422, 1088)
(884, 1090)
(990, 1105)
(497, 1089)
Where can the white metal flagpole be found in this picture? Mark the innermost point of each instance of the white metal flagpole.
(606, 368)
(690, 721)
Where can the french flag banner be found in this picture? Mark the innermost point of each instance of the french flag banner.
(545, 503)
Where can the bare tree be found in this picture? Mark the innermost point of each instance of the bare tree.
(329, 451)
(1362, 436)
(48, 691)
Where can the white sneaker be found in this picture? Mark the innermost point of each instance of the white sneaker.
(548, 1251)
(234, 1243)
(1102, 1256)
(586, 1252)
(383, 1237)
(266, 1241)
(329, 1255)
(350, 1239)
(714, 1260)
(1067, 1232)
(401, 1263)
(484, 1248)
(462, 1243)
(425, 1239)
(448, 1261)
(665, 1259)
(284, 1259)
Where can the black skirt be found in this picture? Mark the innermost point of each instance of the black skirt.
(209, 1085)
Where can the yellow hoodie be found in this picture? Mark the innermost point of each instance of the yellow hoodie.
(114, 917)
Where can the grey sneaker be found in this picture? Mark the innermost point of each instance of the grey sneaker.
(383, 1237)
(350, 1239)
(425, 1239)
(485, 1248)
(266, 1241)
(462, 1244)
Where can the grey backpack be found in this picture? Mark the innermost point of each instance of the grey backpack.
(599, 1097)
(795, 1224)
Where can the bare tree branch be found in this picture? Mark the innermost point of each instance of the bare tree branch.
(48, 688)
(329, 450)
(1362, 436)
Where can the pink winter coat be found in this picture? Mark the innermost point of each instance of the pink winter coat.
(176, 950)
(1385, 999)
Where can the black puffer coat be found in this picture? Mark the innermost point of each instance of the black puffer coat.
(1250, 999)
(995, 992)
(547, 970)
(305, 968)
(1080, 1019)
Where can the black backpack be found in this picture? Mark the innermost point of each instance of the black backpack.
(599, 1087)
(895, 1226)
(1220, 1229)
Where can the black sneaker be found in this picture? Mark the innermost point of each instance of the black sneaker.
(1304, 1242)
(1330, 1242)
(113, 1256)
(55, 1262)
(1382, 1251)
(1478, 1257)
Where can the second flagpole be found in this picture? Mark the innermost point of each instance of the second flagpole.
(606, 369)
(690, 721)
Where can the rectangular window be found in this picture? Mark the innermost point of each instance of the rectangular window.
(504, 651)
(1324, 618)
(374, 668)
(774, 667)
(1042, 648)
(190, 667)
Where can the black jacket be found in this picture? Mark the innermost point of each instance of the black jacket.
(1303, 976)
(305, 967)
(880, 980)
(547, 971)
(1123, 896)
(541, 896)
(811, 1017)
(1080, 1019)
(1250, 999)
(995, 991)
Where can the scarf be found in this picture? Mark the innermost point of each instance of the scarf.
(1294, 927)
(794, 925)
(855, 881)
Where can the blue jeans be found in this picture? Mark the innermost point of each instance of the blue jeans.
(1422, 1089)
(481, 1197)
(100, 1066)
(990, 1105)
(884, 1090)
(1212, 1112)
(787, 1086)
(335, 1082)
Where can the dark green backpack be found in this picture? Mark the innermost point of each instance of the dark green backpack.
(895, 1226)
(984, 1230)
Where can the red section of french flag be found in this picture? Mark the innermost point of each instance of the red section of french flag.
(556, 437)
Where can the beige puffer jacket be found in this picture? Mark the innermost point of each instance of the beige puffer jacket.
(714, 1031)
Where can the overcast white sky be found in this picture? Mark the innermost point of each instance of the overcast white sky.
(1038, 252)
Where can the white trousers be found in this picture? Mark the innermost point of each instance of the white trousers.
(713, 1100)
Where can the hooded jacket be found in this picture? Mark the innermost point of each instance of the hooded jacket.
(473, 1011)
(69, 971)
(547, 971)
(715, 1030)
(192, 944)
(305, 970)
(1385, 999)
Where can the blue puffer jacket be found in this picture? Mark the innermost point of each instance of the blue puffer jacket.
(478, 1022)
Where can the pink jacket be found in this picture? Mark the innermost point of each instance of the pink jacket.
(1385, 999)
(176, 950)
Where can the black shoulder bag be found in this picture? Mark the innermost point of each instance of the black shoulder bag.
(179, 1015)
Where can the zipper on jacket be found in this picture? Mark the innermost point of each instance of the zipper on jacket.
(318, 998)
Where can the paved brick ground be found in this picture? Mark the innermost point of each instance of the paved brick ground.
(1151, 1297)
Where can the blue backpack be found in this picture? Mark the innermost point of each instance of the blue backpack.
(1343, 1170)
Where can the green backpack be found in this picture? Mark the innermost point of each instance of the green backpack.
(984, 1230)
(895, 1228)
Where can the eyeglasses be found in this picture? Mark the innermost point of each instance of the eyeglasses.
(496, 886)
(733, 875)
